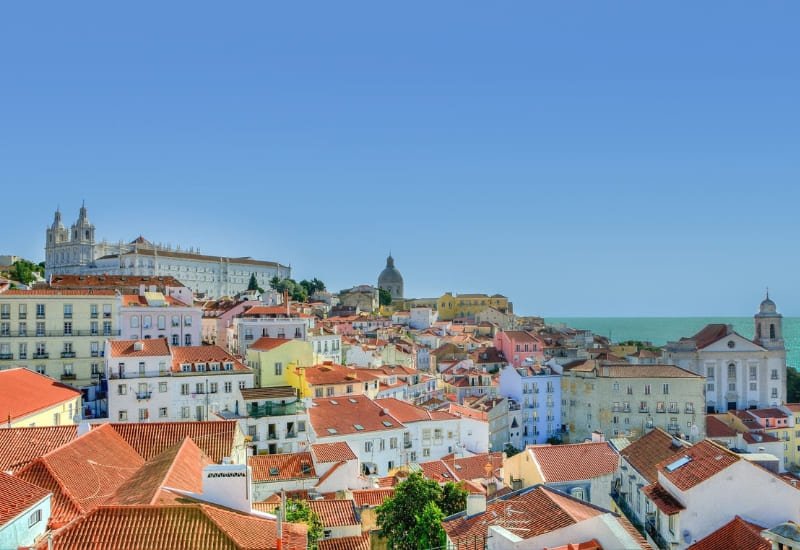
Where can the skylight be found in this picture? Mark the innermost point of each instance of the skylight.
(273, 471)
(682, 461)
(334, 402)
(387, 423)
(358, 427)
(352, 400)
(332, 431)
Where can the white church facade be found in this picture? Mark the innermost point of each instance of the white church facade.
(740, 373)
(76, 252)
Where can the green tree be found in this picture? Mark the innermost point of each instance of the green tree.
(428, 532)
(454, 499)
(384, 297)
(253, 284)
(399, 516)
(510, 450)
(312, 286)
(275, 283)
(24, 271)
(298, 511)
(792, 385)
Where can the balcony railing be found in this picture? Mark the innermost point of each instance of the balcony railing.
(674, 410)
(6, 355)
(689, 410)
(272, 436)
(141, 395)
(658, 538)
(406, 444)
(67, 354)
(619, 499)
(673, 428)
(644, 409)
(275, 409)
(71, 334)
(291, 435)
(42, 355)
(68, 376)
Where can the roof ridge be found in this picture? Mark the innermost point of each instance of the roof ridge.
(179, 449)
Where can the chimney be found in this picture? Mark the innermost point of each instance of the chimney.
(228, 485)
(476, 504)
(598, 437)
(138, 346)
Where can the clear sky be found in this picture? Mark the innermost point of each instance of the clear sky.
(583, 158)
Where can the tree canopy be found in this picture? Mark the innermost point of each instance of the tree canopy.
(299, 292)
(298, 511)
(384, 297)
(25, 271)
(253, 284)
(412, 518)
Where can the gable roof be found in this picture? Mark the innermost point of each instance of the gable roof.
(181, 527)
(717, 428)
(405, 412)
(266, 343)
(746, 535)
(574, 461)
(707, 459)
(180, 467)
(346, 543)
(17, 496)
(23, 392)
(372, 497)
(20, 446)
(335, 512)
(150, 439)
(84, 473)
(344, 415)
(332, 452)
(648, 451)
(528, 513)
(269, 468)
(149, 347)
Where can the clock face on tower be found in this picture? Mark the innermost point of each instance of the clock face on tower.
(731, 344)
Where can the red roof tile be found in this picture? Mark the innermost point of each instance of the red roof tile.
(746, 535)
(717, 428)
(335, 512)
(268, 468)
(19, 446)
(266, 343)
(113, 282)
(707, 460)
(154, 347)
(23, 392)
(405, 412)
(535, 512)
(59, 292)
(645, 453)
(345, 543)
(84, 473)
(574, 461)
(332, 452)
(344, 415)
(370, 498)
(182, 527)
(662, 499)
(180, 467)
(150, 439)
(16, 496)
(768, 413)
(192, 355)
(334, 374)
(474, 467)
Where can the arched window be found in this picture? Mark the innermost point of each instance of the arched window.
(731, 370)
(772, 330)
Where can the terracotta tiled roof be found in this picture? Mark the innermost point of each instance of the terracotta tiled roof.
(272, 392)
(269, 468)
(586, 545)
(526, 514)
(335, 513)
(113, 281)
(182, 527)
(405, 412)
(717, 428)
(768, 413)
(521, 336)
(662, 499)
(19, 446)
(334, 374)
(180, 467)
(438, 471)
(645, 371)
(345, 543)
(154, 347)
(746, 535)
(59, 292)
(204, 354)
(16, 496)
(710, 334)
(707, 460)
(332, 452)
(266, 343)
(645, 453)
(23, 392)
(129, 300)
(216, 438)
(346, 415)
(759, 437)
(574, 461)
(84, 473)
(370, 498)
(474, 467)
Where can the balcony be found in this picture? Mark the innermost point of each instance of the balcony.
(644, 409)
(689, 410)
(41, 355)
(6, 356)
(291, 435)
(68, 376)
(626, 409)
(142, 395)
(73, 333)
(673, 428)
(272, 436)
(275, 409)
(658, 538)
(406, 444)
(68, 355)
(674, 410)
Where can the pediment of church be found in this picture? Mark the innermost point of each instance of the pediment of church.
(734, 343)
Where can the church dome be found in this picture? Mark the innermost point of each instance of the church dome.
(767, 306)
(390, 279)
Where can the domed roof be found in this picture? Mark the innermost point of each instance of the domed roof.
(390, 275)
(767, 306)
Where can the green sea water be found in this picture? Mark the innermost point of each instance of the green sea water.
(660, 330)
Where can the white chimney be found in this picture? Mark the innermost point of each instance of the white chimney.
(138, 346)
(228, 485)
(476, 504)
(598, 437)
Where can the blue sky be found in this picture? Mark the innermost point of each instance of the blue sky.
(583, 158)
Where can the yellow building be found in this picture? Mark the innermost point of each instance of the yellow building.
(31, 399)
(60, 333)
(273, 358)
(468, 305)
(331, 380)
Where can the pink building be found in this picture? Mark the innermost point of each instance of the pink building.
(519, 345)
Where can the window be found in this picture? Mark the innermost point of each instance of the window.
(301, 425)
(162, 322)
(122, 389)
(106, 328)
(774, 374)
(753, 373)
(329, 391)
(732, 371)
(184, 389)
(23, 351)
(176, 321)
(40, 311)
(34, 518)
(199, 388)
(143, 415)
(147, 321)
(349, 388)
(665, 388)
(187, 321)
(426, 452)
(22, 329)
(615, 386)
(107, 311)
(176, 340)
(578, 493)
(242, 384)
(278, 369)
(368, 446)
(392, 442)
(390, 464)
(228, 387)
(134, 322)
(753, 386)
(68, 328)
(93, 328)
(41, 369)
(774, 393)
(647, 389)
(95, 369)
(732, 386)
(123, 416)
(162, 412)
(187, 339)
(162, 387)
(317, 392)
(185, 412)
(710, 373)
(93, 311)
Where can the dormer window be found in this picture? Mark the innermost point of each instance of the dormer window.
(186, 367)
(228, 366)
(200, 367)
